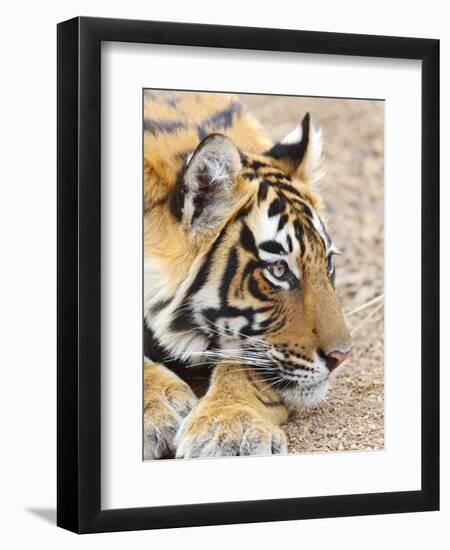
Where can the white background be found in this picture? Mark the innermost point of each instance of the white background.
(27, 302)
(127, 481)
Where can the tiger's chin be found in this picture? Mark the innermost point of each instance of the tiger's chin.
(298, 396)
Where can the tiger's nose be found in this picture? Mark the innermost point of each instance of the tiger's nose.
(335, 357)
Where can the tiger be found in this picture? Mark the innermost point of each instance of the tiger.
(238, 274)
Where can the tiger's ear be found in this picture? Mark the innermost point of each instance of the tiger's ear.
(301, 151)
(205, 191)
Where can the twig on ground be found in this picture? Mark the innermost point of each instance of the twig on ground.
(366, 319)
(365, 305)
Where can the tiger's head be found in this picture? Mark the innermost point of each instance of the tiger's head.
(253, 275)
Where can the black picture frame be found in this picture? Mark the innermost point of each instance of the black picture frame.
(79, 281)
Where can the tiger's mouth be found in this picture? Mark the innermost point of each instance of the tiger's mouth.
(287, 380)
(302, 371)
(302, 381)
(304, 388)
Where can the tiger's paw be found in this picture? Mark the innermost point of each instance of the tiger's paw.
(228, 430)
(163, 414)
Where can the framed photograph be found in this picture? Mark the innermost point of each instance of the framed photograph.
(248, 288)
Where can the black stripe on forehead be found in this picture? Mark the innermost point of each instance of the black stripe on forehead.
(320, 235)
(299, 235)
(277, 206)
(263, 190)
(273, 247)
(248, 240)
(289, 243)
(280, 189)
(276, 176)
(283, 221)
(250, 176)
(308, 224)
(286, 187)
(257, 165)
(253, 164)
(315, 238)
(302, 206)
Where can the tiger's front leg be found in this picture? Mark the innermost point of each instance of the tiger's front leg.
(167, 400)
(239, 415)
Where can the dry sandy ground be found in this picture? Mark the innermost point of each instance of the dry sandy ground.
(352, 416)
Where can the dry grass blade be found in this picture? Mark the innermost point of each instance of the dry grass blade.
(366, 319)
(367, 304)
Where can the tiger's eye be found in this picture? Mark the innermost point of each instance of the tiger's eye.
(279, 269)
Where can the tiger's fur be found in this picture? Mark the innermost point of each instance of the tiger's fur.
(226, 212)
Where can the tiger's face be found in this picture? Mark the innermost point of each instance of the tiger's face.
(260, 293)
